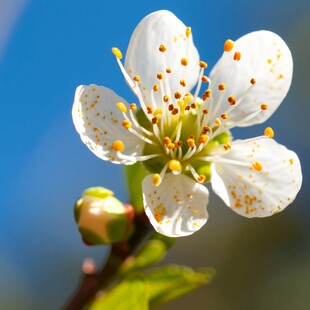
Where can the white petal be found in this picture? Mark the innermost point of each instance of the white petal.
(265, 57)
(252, 193)
(177, 207)
(144, 59)
(99, 123)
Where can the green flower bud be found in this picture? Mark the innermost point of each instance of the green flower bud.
(101, 218)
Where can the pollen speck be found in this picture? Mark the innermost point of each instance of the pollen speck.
(126, 124)
(136, 78)
(253, 81)
(133, 107)
(188, 31)
(222, 86)
(155, 87)
(237, 56)
(232, 100)
(183, 83)
(168, 70)
(160, 76)
(203, 64)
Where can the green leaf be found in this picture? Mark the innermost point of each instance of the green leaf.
(134, 176)
(143, 290)
(127, 295)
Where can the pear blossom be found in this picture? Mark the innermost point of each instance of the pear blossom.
(180, 130)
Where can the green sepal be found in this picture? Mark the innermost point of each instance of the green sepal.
(134, 176)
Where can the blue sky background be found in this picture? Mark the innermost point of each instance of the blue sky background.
(47, 49)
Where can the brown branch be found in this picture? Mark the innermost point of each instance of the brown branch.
(91, 284)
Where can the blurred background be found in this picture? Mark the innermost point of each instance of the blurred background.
(47, 49)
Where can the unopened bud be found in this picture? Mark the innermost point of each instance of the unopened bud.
(101, 218)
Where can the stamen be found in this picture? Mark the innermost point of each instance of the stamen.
(264, 106)
(203, 64)
(224, 116)
(228, 45)
(154, 120)
(206, 94)
(177, 95)
(174, 165)
(136, 78)
(188, 98)
(118, 146)
(133, 107)
(160, 76)
(122, 107)
(162, 48)
(222, 86)
(227, 146)
(168, 70)
(126, 124)
(253, 81)
(201, 178)
(257, 166)
(183, 83)
(167, 140)
(218, 122)
(188, 31)
(184, 61)
(156, 179)
(204, 79)
(155, 87)
(269, 132)
(203, 139)
(232, 100)
(191, 142)
(175, 111)
(149, 109)
(237, 56)
(166, 98)
(117, 53)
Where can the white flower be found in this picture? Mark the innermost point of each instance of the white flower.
(184, 140)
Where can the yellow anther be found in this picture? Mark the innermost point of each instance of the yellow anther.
(264, 106)
(203, 64)
(218, 122)
(133, 107)
(237, 56)
(149, 109)
(154, 120)
(204, 79)
(201, 178)
(232, 100)
(156, 179)
(158, 111)
(253, 81)
(257, 165)
(174, 165)
(228, 45)
(291, 161)
(166, 98)
(188, 31)
(126, 124)
(168, 70)
(162, 48)
(167, 140)
(136, 78)
(183, 83)
(118, 146)
(269, 132)
(224, 116)
(203, 138)
(188, 98)
(160, 76)
(184, 61)
(178, 144)
(122, 107)
(155, 87)
(227, 146)
(177, 95)
(222, 86)
(117, 53)
(190, 142)
(170, 146)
